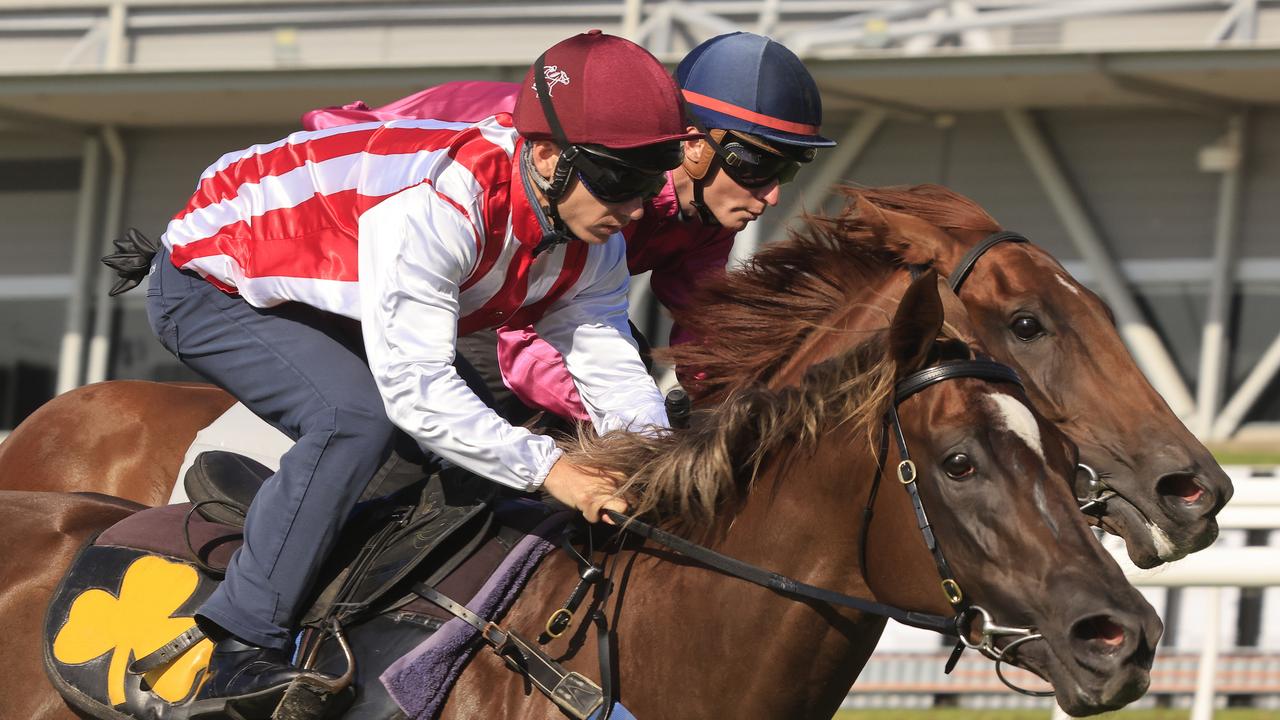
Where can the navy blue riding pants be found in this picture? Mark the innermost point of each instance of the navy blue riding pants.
(296, 368)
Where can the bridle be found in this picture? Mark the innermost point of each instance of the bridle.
(966, 613)
(1095, 493)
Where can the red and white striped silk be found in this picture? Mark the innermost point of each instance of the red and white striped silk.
(422, 230)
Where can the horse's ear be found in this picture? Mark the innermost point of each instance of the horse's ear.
(914, 239)
(916, 324)
(871, 217)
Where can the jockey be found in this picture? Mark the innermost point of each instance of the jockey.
(763, 112)
(421, 230)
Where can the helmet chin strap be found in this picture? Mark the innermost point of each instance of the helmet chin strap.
(699, 205)
(553, 190)
(702, 172)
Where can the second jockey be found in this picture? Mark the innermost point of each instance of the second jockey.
(761, 112)
(423, 231)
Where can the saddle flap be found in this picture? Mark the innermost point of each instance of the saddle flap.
(227, 482)
(450, 520)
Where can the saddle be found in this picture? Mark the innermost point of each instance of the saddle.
(120, 638)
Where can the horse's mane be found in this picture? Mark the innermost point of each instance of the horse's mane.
(756, 317)
(687, 475)
(935, 204)
(753, 320)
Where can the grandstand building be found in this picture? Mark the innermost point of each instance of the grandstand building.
(1137, 140)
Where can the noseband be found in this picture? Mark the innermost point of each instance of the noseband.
(966, 613)
(1093, 493)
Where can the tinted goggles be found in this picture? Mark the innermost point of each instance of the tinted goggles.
(612, 182)
(753, 167)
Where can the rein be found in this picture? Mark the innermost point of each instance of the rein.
(966, 613)
(580, 698)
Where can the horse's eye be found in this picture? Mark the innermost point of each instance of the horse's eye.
(958, 466)
(1027, 327)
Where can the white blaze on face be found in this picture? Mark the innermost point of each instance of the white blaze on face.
(1017, 418)
(1067, 284)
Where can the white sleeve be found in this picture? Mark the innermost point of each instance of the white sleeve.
(415, 250)
(589, 328)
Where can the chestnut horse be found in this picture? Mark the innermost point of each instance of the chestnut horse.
(1028, 311)
(778, 478)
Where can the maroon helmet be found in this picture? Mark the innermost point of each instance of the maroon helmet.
(603, 90)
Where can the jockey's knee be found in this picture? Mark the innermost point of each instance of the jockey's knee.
(365, 428)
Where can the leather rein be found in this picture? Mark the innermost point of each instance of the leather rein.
(962, 622)
(580, 698)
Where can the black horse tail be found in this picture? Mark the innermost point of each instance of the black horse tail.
(131, 261)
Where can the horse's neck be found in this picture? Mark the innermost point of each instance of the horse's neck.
(803, 522)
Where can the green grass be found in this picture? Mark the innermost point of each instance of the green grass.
(1247, 457)
(958, 714)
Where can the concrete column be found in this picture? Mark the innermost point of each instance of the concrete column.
(71, 354)
(100, 344)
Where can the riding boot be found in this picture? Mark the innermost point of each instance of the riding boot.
(249, 679)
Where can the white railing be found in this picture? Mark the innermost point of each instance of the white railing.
(99, 32)
(1254, 506)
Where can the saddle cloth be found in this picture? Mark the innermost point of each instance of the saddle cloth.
(136, 587)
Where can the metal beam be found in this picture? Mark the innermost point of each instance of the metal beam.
(770, 11)
(100, 344)
(115, 56)
(71, 354)
(831, 167)
(631, 12)
(1143, 342)
(659, 20)
(1213, 342)
(1238, 24)
(693, 16)
(890, 12)
(807, 42)
(1248, 393)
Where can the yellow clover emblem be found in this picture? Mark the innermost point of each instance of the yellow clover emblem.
(134, 625)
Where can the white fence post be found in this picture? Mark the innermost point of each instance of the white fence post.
(1202, 705)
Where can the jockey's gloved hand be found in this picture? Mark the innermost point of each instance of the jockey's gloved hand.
(131, 261)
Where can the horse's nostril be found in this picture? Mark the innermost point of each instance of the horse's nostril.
(1101, 632)
(1182, 486)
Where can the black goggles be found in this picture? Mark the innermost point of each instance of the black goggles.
(754, 167)
(612, 182)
